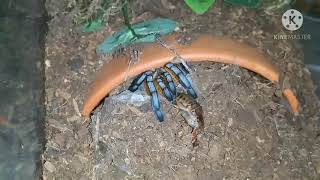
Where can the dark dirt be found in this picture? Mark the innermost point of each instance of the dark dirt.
(249, 132)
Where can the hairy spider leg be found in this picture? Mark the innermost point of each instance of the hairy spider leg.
(162, 88)
(178, 75)
(137, 81)
(167, 79)
(155, 101)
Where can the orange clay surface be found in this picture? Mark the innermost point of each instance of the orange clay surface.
(204, 48)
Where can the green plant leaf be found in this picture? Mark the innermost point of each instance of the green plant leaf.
(93, 26)
(248, 3)
(199, 6)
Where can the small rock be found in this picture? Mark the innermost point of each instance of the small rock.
(49, 166)
(66, 80)
(260, 140)
(48, 63)
(193, 159)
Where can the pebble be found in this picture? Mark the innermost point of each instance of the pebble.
(48, 63)
(259, 140)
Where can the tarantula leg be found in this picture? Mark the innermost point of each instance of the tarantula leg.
(155, 101)
(179, 75)
(162, 87)
(184, 69)
(167, 78)
(137, 81)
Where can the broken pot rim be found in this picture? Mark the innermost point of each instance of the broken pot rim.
(203, 48)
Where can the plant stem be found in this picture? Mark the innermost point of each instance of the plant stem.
(125, 14)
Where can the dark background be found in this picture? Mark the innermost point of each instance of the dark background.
(22, 32)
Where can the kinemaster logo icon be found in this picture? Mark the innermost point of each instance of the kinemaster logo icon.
(292, 19)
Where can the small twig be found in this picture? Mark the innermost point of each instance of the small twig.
(76, 107)
(165, 45)
(237, 101)
(62, 105)
(96, 133)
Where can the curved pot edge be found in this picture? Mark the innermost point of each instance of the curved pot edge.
(206, 47)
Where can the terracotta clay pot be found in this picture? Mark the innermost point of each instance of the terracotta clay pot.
(204, 48)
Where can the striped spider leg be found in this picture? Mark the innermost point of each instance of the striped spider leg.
(150, 85)
(179, 76)
(137, 81)
(169, 81)
(161, 86)
(152, 91)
